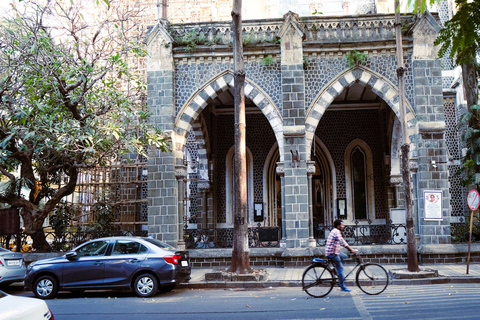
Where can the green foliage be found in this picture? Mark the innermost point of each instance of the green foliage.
(103, 210)
(193, 38)
(306, 61)
(470, 124)
(68, 99)
(406, 25)
(462, 33)
(355, 58)
(61, 218)
(267, 61)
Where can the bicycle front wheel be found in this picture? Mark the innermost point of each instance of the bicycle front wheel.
(317, 281)
(372, 278)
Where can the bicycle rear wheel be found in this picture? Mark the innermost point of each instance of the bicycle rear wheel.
(372, 278)
(317, 281)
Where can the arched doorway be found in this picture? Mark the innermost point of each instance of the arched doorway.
(323, 187)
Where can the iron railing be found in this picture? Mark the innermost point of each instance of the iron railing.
(258, 236)
(358, 234)
(366, 234)
(223, 237)
(65, 241)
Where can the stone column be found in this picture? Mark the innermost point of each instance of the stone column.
(162, 183)
(312, 243)
(295, 169)
(432, 171)
(280, 172)
(181, 176)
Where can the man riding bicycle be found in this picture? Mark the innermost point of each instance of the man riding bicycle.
(332, 250)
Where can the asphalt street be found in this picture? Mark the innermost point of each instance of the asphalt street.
(440, 301)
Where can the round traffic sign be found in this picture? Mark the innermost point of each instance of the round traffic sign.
(473, 199)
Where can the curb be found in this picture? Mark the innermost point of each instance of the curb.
(277, 284)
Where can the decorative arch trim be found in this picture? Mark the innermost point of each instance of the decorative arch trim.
(229, 197)
(386, 90)
(209, 91)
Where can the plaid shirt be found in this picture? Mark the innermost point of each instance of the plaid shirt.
(334, 241)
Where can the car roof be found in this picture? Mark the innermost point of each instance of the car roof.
(144, 240)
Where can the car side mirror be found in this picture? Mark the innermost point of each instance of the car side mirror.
(72, 255)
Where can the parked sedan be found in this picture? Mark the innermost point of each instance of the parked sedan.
(144, 265)
(22, 308)
(12, 267)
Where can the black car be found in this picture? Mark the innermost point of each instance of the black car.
(144, 265)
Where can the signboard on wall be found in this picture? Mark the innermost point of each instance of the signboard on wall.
(433, 205)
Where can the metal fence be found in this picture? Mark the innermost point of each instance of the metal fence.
(63, 242)
(258, 236)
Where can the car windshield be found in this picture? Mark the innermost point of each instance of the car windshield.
(3, 250)
(159, 243)
(2, 294)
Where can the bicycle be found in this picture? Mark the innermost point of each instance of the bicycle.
(320, 277)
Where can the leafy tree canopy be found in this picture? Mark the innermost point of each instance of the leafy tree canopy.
(461, 33)
(68, 100)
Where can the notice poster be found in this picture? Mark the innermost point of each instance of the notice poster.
(433, 205)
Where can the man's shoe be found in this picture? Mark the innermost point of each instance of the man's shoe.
(345, 289)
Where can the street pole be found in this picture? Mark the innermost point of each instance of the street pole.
(412, 258)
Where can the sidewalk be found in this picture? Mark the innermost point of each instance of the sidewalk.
(292, 277)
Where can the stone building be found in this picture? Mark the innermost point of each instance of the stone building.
(323, 131)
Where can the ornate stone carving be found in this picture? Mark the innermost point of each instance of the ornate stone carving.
(310, 167)
(396, 180)
(280, 169)
(180, 172)
(203, 185)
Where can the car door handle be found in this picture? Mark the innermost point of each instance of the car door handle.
(98, 263)
(133, 260)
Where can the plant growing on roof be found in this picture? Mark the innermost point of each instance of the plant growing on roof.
(355, 58)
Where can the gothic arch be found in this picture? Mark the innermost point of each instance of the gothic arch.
(380, 85)
(200, 99)
(370, 187)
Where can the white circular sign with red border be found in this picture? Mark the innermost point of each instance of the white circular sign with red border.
(473, 200)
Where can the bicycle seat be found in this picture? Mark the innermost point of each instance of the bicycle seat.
(318, 260)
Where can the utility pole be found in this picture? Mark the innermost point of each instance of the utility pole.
(412, 258)
(240, 254)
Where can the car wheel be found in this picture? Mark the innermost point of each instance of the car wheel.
(167, 288)
(145, 285)
(46, 287)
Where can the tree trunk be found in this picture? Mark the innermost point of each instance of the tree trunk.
(240, 254)
(34, 228)
(469, 76)
(412, 258)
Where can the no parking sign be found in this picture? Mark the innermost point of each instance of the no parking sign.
(473, 200)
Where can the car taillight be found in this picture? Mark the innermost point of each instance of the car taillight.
(173, 259)
(1, 264)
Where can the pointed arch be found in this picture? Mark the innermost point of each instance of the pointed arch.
(271, 187)
(325, 157)
(229, 188)
(386, 90)
(209, 91)
(361, 145)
